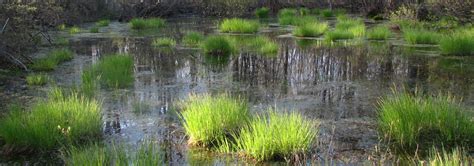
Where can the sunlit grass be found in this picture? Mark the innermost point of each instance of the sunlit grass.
(263, 45)
(74, 30)
(149, 23)
(208, 118)
(36, 79)
(52, 59)
(90, 78)
(262, 12)
(237, 25)
(218, 46)
(311, 29)
(277, 136)
(460, 44)
(327, 13)
(455, 157)
(193, 38)
(421, 36)
(413, 123)
(304, 11)
(379, 33)
(339, 35)
(61, 27)
(164, 42)
(287, 12)
(59, 121)
(102, 23)
(116, 71)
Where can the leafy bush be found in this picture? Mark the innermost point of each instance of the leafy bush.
(287, 12)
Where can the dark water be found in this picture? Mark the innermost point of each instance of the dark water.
(338, 84)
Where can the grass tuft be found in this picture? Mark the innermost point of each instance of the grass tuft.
(116, 71)
(263, 45)
(164, 42)
(36, 79)
(149, 23)
(379, 33)
(304, 11)
(420, 36)
(207, 118)
(74, 30)
(218, 46)
(237, 25)
(102, 23)
(454, 157)
(262, 12)
(327, 13)
(311, 30)
(295, 20)
(287, 12)
(457, 44)
(339, 35)
(94, 30)
(51, 60)
(193, 38)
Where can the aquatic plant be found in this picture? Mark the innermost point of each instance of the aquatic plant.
(421, 36)
(457, 44)
(62, 41)
(379, 33)
(52, 59)
(338, 35)
(412, 123)
(277, 136)
(149, 23)
(263, 45)
(296, 21)
(36, 79)
(237, 25)
(217, 46)
(193, 38)
(262, 12)
(304, 11)
(164, 42)
(61, 120)
(102, 23)
(90, 78)
(287, 12)
(315, 11)
(94, 30)
(74, 30)
(327, 13)
(311, 29)
(61, 27)
(116, 71)
(454, 157)
(208, 118)
(355, 26)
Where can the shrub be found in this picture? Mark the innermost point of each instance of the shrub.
(149, 23)
(311, 30)
(74, 30)
(36, 79)
(412, 122)
(51, 60)
(457, 44)
(379, 33)
(94, 30)
(287, 12)
(278, 135)
(327, 13)
(262, 12)
(61, 120)
(116, 71)
(103, 23)
(420, 36)
(164, 42)
(218, 46)
(339, 35)
(236, 25)
(193, 38)
(207, 119)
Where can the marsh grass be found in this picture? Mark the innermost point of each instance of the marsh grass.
(61, 27)
(218, 46)
(62, 41)
(263, 45)
(311, 29)
(327, 13)
(237, 25)
(262, 12)
(94, 30)
(412, 123)
(355, 26)
(287, 12)
(421, 36)
(116, 71)
(304, 11)
(379, 33)
(164, 42)
(90, 78)
(193, 38)
(208, 118)
(36, 79)
(455, 157)
(457, 44)
(339, 35)
(102, 23)
(61, 120)
(149, 23)
(51, 60)
(74, 30)
(276, 136)
(296, 20)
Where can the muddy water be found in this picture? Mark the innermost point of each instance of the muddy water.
(338, 84)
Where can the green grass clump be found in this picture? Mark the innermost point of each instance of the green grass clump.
(277, 136)
(148, 153)
(164, 42)
(149, 23)
(60, 120)
(36, 79)
(295, 20)
(51, 60)
(327, 13)
(207, 119)
(218, 46)
(61, 27)
(103, 23)
(311, 29)
(379, 33)
(237, 25)
(94, 30)
(263, 45)
(193, 38)
(457, 44)
(455, 157)
(412, 123)
(339, 35)
(74, 30)
(89, 78)
(304, 11)
(116, 71)
(355, 26)
(287, 12)
(262, 12)
(420, 36)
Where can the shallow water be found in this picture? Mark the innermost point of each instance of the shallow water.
(337, 84)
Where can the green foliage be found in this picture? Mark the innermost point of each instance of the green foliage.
(457, 44)
(295, 20)
(421, 36)
(456, 157)
(94, 30)
(218, 46)
(36, 79)
(354, 26)
(304, 11)
(149, 23)
(61, 120)
(263, 45)
(51, 60)
(61, 27)
(74, 30)
(327, 13)
(316, 11)
(237, 25)
(339, 35)
(287, 12)
(193, 38)
(90, 78)
(164, 42)
(311, 29)
(208, 118)
(413, 123)
(379, 33)
(262, 12)
(116, 71)
(278, 135)
(103, 23)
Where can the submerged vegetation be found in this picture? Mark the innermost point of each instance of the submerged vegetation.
(237, 25)
(149, 23)
(36, 79)
(52, 59)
